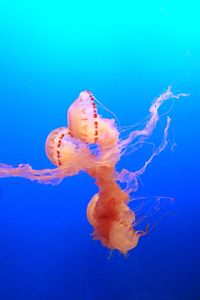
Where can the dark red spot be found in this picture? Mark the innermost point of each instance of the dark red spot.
(69, 133)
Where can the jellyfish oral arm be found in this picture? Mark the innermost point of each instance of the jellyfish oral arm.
(47, 176)
(157, 151)
(150, 125)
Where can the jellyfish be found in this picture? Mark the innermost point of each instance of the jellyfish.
(69, 150)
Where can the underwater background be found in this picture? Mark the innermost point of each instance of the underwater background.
(126, 53)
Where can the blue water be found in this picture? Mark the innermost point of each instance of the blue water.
(126, 54)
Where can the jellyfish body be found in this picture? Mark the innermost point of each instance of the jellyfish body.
(87, 125)
(123, 238)
(83, 118)
(90, 209)
(60, 147)
(69, 150)
(114, 227)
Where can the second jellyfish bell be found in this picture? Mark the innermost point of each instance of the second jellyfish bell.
(60, 146)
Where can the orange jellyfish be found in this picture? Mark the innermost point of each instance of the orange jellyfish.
(68, 148)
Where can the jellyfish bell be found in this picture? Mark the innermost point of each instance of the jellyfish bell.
(90, 209)
(108, 134)
(86, 124)
(83, 118)
(60, 146)
(123, 237)
(126, 215)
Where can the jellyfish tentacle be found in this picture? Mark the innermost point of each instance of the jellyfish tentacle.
(157, 151)
(129, 178)
(152, 122)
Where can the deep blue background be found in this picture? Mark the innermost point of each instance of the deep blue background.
(127, 54)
